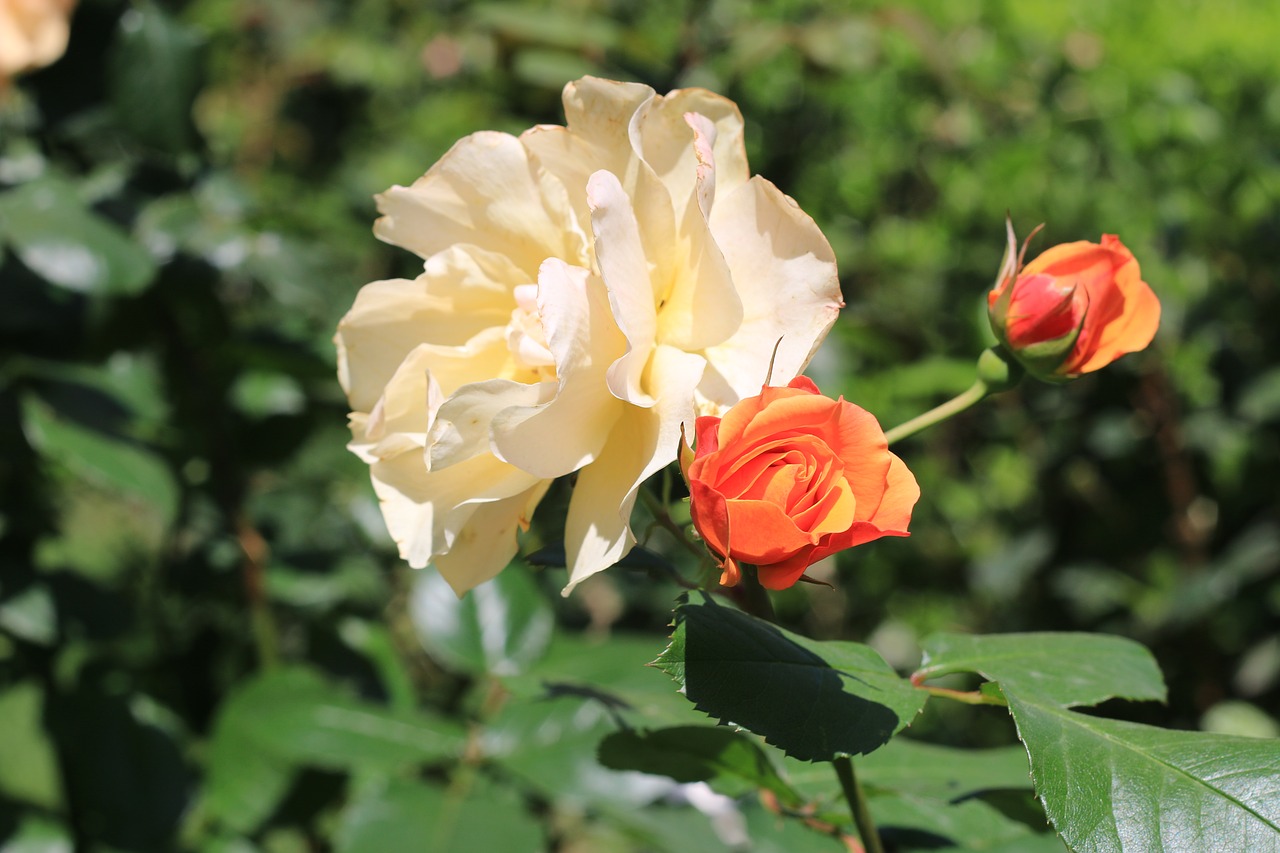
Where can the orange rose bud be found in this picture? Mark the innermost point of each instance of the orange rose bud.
(1075, 309)
(789, 477)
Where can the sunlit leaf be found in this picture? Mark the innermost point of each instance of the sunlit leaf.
(500, 627)
(1112, 785)
(1058, 668)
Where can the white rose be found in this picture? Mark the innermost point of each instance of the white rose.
(33, 33)
(586, 290)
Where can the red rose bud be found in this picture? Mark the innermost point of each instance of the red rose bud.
(1075, 309)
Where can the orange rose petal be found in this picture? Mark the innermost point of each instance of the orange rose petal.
(900, 496)
(785, 573)
(711, 515)
(763, 533)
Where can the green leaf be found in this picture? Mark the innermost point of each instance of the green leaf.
(698, 754)
(1112, 785)
(926, 769)
(400, 814)
(293, 717)
(1058, 668)
(612, 673)
(121, 466)
(811, 699)
(908, 820)
(28, 764)
(46, 224)
(154, 74)
(30, 615)
(500, 627)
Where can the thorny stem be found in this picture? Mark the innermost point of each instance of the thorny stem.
(857, 804)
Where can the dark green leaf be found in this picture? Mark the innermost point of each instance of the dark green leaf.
(1059, 668)
(813, 700)
(1112, 785)
(697, 754)
(155, 73)
(117, 465)
(61, 240)
(500, 627)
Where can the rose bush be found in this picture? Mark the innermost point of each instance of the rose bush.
(586, 290)
(33, 33)
(790, 476)
(1074, 309)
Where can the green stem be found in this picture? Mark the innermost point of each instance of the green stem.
(752, 595)
(977, 391)
(997, 371)
(857, 804)
(664, 520)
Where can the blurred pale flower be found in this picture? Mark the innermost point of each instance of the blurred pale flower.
(586, 290)
(33, 33)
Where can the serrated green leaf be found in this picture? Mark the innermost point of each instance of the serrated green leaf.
(697, 754)
(1113, 785)
(500, 627)
(926, 769)
(1059, 668)
(813, 700)
(58, 238)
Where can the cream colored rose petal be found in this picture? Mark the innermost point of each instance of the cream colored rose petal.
(625, 271)
(462, 426)
(661, 135)
(560, 436)
(485, 192)
(486, 544)
(785, 273)
(425, 510)
(702, 307)
(643, 441)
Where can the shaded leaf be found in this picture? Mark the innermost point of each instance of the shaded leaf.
(925, 769)
(68, 245)
(913, 822)
(154, 74)
(1112, 785)
(120, 466)
(1058, 668)
(697, 754)
(500, 627)
(811, 699)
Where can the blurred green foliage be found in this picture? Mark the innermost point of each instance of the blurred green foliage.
(206, 640)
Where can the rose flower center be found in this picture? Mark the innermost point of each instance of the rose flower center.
(526, 338)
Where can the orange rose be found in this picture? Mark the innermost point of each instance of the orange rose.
(1076, 308)
(789, 477)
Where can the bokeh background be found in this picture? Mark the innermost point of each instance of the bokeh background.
(206, 639)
